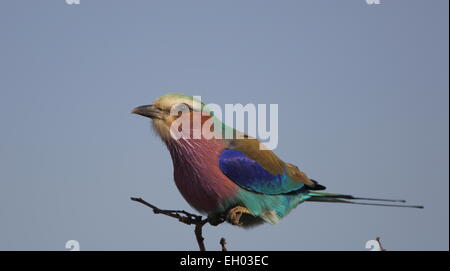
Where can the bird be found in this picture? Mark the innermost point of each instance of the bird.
(234, 179)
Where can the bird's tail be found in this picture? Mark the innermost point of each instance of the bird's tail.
(349, 199)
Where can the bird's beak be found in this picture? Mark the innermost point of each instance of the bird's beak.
(148, 111)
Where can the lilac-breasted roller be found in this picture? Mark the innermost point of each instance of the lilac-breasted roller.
(234, 176)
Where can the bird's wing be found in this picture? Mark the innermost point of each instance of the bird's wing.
(258, 170)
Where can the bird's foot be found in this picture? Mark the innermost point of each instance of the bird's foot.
(235, 214)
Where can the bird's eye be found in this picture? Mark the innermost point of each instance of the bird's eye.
(178, 109)
(183, 107)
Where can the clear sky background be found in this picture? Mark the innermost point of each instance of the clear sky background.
(363, 102)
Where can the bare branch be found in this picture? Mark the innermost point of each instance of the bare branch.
(379, 243)
(223, 244)
(186, 218)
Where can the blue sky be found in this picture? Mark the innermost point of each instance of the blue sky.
(363, 104)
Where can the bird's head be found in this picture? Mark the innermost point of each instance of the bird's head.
(166, 109)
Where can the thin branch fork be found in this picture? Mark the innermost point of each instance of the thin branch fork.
(379, 243)
(188, 219)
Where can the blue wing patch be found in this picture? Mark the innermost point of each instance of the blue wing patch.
(249, 175)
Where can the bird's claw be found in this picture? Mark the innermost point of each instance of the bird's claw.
(235, 214)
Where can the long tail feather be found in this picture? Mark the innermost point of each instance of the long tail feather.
(342, 198)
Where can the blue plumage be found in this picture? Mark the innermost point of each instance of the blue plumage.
(249, 174)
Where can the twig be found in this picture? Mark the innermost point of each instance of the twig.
(223, 243)
(186, 218)
(379, 243)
